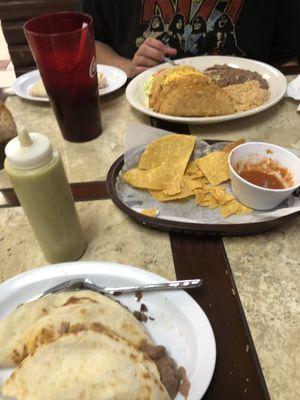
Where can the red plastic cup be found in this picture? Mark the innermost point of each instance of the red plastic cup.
(63, 47)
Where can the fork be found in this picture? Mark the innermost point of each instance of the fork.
(81, 284)
(168, 60)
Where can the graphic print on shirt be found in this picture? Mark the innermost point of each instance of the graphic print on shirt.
(193, 27)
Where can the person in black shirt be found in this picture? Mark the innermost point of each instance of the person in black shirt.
(138, 34)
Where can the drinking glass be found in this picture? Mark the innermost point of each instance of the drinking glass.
(63, 47)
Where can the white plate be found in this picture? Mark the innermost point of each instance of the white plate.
(115, 79)
(137, 97)
(180, 324)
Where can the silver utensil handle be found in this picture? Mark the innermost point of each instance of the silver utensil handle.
(173, 285)
(168, 60)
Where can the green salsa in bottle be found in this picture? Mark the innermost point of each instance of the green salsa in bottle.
(38, 177)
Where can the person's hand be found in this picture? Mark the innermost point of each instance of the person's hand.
(151, 53)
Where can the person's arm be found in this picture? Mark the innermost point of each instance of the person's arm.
(102, 12)
(149, 54)
(106, 55)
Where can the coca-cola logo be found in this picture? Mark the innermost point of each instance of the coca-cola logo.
(93, 68)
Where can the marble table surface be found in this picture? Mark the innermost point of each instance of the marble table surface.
(266, 267)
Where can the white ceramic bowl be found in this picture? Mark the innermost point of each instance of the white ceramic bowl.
(255, 196)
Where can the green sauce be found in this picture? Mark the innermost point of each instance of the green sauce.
(46, 198)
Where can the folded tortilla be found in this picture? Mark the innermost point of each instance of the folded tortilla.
(46, 319)
(185, 91)
(38, 89)
(87, 366)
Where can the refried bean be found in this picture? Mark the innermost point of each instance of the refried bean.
(140, 316)
(170, 375)
(223, 75)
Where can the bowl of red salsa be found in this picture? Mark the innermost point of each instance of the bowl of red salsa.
(263, 175)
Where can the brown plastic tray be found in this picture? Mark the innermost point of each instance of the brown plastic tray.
(186, 227)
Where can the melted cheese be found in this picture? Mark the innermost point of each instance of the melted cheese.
(176, 74)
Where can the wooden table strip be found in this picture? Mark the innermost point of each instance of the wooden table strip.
(83, 191)
(169, 126)
(238, 374)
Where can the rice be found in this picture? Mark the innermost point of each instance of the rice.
(246, 96)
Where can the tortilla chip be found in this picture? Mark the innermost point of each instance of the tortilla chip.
(202, 197)
(215, 167)
(156, 178)
(232, 145)
(174, 186)
(221, 195)
(150, 212)
(160, 196)
(187, 190)
(192, 168)
(193, 184)
(172, 150)
(234, 207)
(213, 203)
(162, 164)
(198, 174)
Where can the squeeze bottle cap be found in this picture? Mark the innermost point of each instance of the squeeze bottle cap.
(28, 150)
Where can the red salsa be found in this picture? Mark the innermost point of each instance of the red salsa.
(262, 179)
(266, 173)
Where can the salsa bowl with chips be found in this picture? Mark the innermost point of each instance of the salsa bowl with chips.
(263, 175)
(181, 183)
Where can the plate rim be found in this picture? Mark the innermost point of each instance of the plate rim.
(60, 272)
(23, 78)
(205, 120)
(36, 74)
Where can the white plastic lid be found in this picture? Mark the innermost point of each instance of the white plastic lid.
(28, 150)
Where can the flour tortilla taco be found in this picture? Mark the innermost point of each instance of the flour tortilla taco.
(185, 91)
(87, 365)
(44, 320)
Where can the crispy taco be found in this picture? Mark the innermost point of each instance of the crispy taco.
(185, 91)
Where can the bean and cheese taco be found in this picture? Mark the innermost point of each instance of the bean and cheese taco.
(82, 345)
(185, 91)
(46, 319)
(87, 365)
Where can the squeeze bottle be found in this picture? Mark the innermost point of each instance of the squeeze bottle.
(38, 177)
